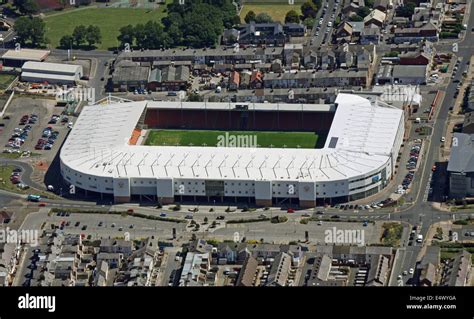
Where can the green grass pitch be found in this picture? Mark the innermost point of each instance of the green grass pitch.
(232, 139)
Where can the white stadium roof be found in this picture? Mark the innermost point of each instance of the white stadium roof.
(360, 140)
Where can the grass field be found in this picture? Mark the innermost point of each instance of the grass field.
(109, 20)
(276, 9)
(5, 80)
(241, 138)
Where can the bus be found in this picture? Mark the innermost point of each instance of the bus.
(34, 198)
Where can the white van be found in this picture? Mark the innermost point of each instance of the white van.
(419, 238)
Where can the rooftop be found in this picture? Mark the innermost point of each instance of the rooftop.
(26, 54)
(359, 141)
(461, 159)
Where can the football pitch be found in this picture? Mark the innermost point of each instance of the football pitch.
(232, 139)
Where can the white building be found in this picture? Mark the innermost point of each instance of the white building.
(53, 73)
(358, 159)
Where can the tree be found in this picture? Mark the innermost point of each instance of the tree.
(27, 7)
(292, 17)
(66, 41)
(30, 29)
(127, 35)
(309, 9)
(250, 16)
(363, 12)
(93, 35)
(356, 18)
(309, 22)
(369, 3)
(22, 28)
(406, 10)
(38, 28)
(79, 35)
(263, 18)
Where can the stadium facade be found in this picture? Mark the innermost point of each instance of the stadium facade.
(357, 160)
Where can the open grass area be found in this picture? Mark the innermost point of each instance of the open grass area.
(232, 139)
(5, 183)
(109, 20)
(276, 9)
(5, 80)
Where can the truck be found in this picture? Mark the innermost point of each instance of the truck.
(33, 198)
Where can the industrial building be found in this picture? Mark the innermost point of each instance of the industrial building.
(53, 73)
(358, 158)
(16, 58)
(461, 166)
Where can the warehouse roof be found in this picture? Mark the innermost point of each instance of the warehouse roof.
(461, 159)
(131, 74)
(409, 71)
(26, 54)
(51, 67)
(42, 77)
(359, 142)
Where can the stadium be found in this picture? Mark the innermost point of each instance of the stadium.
(356, 147)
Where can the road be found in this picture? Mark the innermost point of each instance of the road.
(421, 212)
(320, 29)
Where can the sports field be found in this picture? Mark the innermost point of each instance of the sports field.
(232, 139)
(277, 9)
(109, 20)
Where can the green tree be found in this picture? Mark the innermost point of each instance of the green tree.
(369, 3)
(263, 18)
(356, 18)
(79, 35)
(66, 41)
(38, 30)
(126, 35)
(27, 7)
(22, 28)
(292, 17)
(30, 30)
(250, 16)
(407, 10)
(309, 22)
(93, 35)
(363, 11)
(309, 9)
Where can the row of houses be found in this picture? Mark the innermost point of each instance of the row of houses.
(263, 33)
(276, 265)
(454, 272)
(208, 56)
(67, 260)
